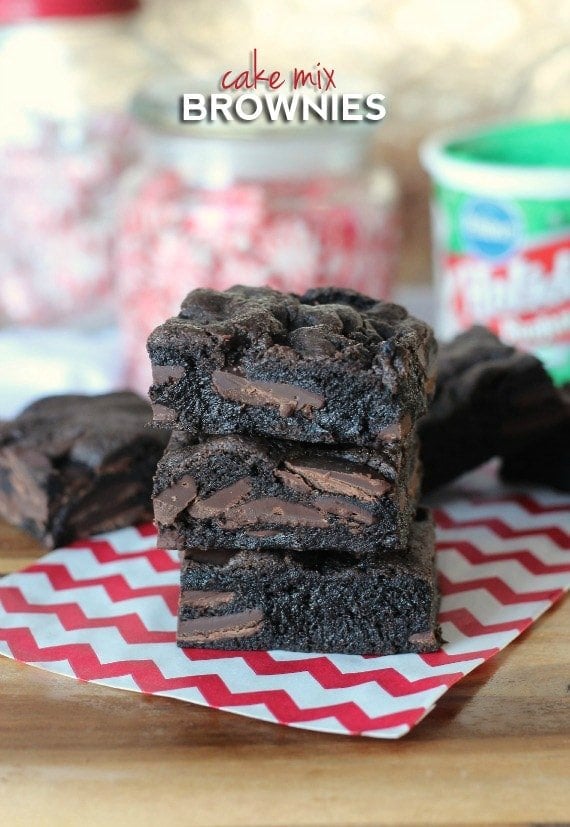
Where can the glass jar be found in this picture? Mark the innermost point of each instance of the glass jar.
(67, 71)
(212, 205)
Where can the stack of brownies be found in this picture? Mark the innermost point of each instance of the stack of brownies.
(290, 484)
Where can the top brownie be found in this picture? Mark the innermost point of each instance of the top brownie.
(331, 366)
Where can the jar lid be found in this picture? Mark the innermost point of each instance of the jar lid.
(12, 11)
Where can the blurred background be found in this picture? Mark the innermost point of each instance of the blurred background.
(106, 224)
(440, 63)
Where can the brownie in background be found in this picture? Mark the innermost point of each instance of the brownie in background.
(74, 465)
(490, 400)
(546, 459)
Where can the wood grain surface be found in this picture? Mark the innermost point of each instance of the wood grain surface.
(496, 750)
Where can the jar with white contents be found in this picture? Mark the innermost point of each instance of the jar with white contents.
(215, 204)
(67, 71)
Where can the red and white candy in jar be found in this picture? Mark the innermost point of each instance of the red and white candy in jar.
(215, 204)
(68, 69)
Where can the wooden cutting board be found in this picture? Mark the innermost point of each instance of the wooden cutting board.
(496, 750)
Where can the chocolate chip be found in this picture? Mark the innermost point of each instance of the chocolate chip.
(174, 499)
(210, 629)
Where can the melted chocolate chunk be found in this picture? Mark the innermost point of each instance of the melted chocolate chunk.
(222, 501)
(211, 630)
(276, 511)
(350, 483)
(293, 480)
(167, 373)
(162, 414)
(170, 502)
(287, 398)
(347, 511)
(198, 600)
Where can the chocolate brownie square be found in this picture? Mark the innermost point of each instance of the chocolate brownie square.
(239, 492)
(331, 366)
(490, 400)
(75, 465)
(331, 603)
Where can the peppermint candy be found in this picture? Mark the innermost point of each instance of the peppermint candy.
(174, 237)
(58, 225)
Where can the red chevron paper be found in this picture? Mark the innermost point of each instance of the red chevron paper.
(104, 610)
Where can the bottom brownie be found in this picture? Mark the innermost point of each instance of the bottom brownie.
(268, 600)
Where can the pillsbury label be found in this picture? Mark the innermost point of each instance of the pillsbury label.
(506, 264)
(491, 229)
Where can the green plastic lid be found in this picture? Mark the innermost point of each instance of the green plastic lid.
(526, 160)
(538, 144)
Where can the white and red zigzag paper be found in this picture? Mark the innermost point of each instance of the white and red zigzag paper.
(104, 610)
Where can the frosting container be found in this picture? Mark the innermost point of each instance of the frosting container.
(501, 235)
